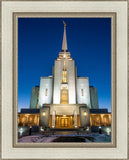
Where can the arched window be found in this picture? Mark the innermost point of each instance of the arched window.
(82, 92)
(64, 80)
(46, 92)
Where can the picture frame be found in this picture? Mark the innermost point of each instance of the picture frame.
(11, 10)
(15, 79)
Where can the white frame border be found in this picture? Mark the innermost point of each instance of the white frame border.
(120, 151)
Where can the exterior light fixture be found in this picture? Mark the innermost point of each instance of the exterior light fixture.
(41, 129)
(87, 129)
(44, 114)
(64, 115)
(108, 131)
(21, 131)
(100, 127)
(85, 113)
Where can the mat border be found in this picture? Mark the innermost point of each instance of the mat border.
(13, 99)
(113, 77)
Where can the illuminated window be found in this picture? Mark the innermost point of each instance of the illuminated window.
(46, 92)
(64, 77)
(82, 92)
(30, 119)
(64, 96)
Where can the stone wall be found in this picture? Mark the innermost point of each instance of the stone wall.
(44, 116)
(83, 93)
(71, 73)
(46, 91)
(84, 116)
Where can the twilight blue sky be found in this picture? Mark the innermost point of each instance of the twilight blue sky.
(40, 41)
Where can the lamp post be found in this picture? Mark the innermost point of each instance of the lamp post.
(21, 131)
(100, 131)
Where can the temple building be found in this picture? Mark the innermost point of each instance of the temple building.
(64, 100)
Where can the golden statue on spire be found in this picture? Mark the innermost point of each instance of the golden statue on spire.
(64, 23)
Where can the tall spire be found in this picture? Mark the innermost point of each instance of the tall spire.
(64, 53)
(64, 43)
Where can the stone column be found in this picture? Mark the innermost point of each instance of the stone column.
(75, 119)
(53, 119)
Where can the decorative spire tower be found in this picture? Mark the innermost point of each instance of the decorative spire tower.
(64, 73)
(64, 90)
(64, 43)
(64, 51)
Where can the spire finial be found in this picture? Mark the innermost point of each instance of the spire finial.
(64, 23)
(64, 43)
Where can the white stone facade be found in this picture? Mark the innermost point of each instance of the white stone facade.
(64, 99)
(71, 70)
(46, 90)
(76, 88)
(57, 81)
(64, 109)
(71, 78)
(83, 92)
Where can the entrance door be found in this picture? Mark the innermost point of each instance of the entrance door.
(64, 122)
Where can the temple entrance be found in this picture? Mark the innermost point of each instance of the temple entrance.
(64, 121)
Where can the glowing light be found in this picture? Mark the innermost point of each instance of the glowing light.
(44, 114)
(108, 131)
(42, 129)
(85, 113)
(21, 131)
(64, 115)
(87, 129)
(99, 126)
